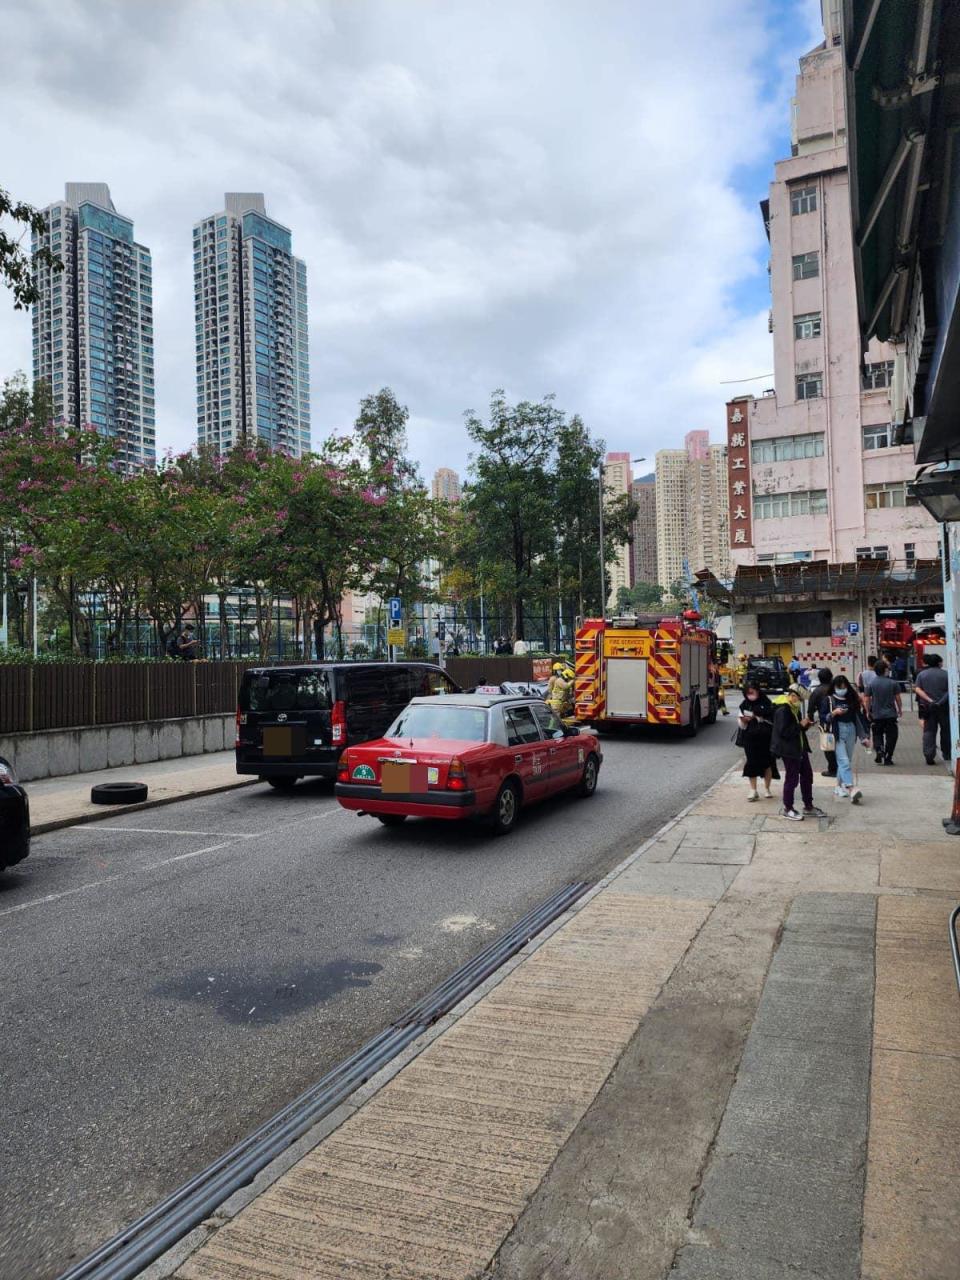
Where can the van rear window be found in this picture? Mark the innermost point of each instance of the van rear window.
(286, 691)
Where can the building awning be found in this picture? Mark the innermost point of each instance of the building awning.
(815, 579)
(902, 97)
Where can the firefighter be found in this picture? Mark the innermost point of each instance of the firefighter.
(552, 682)
(741, 673)
(560, 699)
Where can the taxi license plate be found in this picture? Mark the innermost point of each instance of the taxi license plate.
(401, 777)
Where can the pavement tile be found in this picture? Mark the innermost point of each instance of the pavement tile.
(916, 1008)
(695, 882)
(933, 866)
(912, 1206)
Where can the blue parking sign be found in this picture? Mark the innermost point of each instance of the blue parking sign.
(396, 609)
(853, 628)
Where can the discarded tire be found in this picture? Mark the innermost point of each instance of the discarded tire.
(118, 792)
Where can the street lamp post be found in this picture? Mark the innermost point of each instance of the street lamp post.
(601, 468)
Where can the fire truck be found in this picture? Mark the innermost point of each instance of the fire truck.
(646, 670)
(898, 635)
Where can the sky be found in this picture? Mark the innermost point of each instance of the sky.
(547, 196)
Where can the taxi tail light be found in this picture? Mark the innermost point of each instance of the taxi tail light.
(456, 775)
(343, 769)
(338, 723)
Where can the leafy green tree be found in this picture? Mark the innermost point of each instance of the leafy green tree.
(16, 269)
(508, 501)
(21, 404)
(641, 596)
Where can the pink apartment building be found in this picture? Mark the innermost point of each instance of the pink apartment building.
(816, 472)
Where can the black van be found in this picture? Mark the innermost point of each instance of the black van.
(293, 722)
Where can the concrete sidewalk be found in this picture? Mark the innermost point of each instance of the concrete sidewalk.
(65, 801)
(737, 1059)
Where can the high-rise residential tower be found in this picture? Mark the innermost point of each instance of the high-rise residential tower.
(250, 300)
(617, 480)
(445, 485)
(692, 509)
(93, 324)
(643, 552)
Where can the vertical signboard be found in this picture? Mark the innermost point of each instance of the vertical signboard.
(738, 474)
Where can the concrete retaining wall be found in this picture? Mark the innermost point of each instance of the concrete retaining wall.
(55, 752)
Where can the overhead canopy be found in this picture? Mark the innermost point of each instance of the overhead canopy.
(819, 578)
(902, 99)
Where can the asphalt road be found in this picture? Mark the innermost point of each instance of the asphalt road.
(173, 977)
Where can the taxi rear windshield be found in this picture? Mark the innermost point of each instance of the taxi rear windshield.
(466, 724)
(286, 691)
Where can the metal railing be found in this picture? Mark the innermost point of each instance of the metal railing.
(955, 942)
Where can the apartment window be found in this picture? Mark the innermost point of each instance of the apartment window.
(877, 375)
(788, 448)
(777, 506)
(878, 437)
(806, 265)
(807, 326)
(873, 553)
(881, 496)
(910, 552)
(783, 557)
(803, 200)
(809, 386)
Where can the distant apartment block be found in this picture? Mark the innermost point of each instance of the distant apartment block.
(252, 350)
(643, 552)
(692, 509)
(445, 485)
(93, 323)
(617, 481)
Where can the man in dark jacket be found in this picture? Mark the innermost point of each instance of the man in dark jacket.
(791, 744)
(814, 703)
(933, 704)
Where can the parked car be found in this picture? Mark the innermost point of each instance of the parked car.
(467, 756)
(14, 818)
(293, 722)
(769, 674)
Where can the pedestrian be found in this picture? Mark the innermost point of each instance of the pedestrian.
(848, 723)
(187, 644)
(520, 647)
(818, 711)
(868, 674)
(756, 728)
(899, 669)
(883, 708)
(933, 707)
(790, 742)
(795, 666)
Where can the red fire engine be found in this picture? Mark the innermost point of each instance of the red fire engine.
(646, 670)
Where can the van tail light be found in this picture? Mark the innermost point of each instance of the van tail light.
(338, 723)
(456, 775)
(241, 719)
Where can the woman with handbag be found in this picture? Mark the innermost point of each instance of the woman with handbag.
(756, 726)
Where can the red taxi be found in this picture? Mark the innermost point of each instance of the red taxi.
(465, 756)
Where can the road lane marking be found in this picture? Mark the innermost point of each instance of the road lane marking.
(52, 897)
(170, 831)
(95, 884)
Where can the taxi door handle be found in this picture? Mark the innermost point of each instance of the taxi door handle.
(553, 751)
(518, 759)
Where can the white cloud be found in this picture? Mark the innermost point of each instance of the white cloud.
(542, 197)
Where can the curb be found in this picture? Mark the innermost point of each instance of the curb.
(112, 810)
(164, 1267)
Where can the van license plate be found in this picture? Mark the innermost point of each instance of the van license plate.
(278, 741)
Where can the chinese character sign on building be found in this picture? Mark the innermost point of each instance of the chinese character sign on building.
(738, 475)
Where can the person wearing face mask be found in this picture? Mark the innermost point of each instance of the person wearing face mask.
(791, 744)
(849, 723)
(756, 726)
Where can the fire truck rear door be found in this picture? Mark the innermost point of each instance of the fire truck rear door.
(627, 688)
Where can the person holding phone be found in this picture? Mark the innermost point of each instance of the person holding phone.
(847, 719)
(791, 744)
(756, 726)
